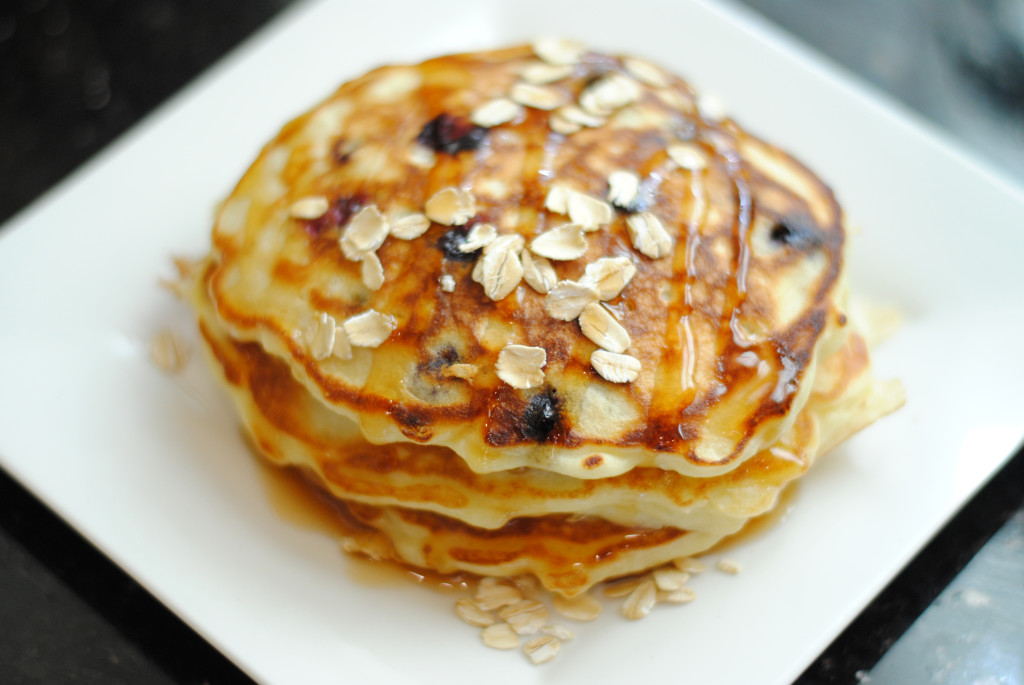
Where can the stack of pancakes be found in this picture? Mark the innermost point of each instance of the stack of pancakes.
(537, 310)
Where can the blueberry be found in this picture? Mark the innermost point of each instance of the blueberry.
(798, 231)
(451, 134)
(541, 416)
(450, 243)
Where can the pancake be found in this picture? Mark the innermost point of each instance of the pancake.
(714, 271)
(423, 506)
(534, 311)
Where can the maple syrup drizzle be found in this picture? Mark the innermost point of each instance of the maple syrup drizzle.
(678, 361)
(675, 388)
(730, 334)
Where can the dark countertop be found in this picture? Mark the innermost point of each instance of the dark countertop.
(75, 75)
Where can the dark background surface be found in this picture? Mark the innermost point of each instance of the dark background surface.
(73, 76)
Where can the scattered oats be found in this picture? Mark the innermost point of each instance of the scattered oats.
(526, 583)
(710, 107)
(674, 99)
(520, 365)
(583, 607)
(537, 97)
(321, 342)
(499, 271)
(310, 207)
(478, 271)
(526, 616)
(559, 631)
(557, 200)
(447, 283)
(540, 73)
(478, 236)
(364, 233)
(598, 324)
(623, 187)
(728, 566)
(451, 207)
(690, 565)
(500, 636)
(342, 348)
(682, 595)
(567, 299)
(372, 271)
(560, 124)
(410, 226)
(589, 212)
(642, 117)
(469, 612)
(509, 242)
(421, 156)
(609, 93)
(179, 286)
(495, 112)
(369, 329)
(559, 50)
(492, 594)
(167, 352)
(669, 579)
(577, 115)
(688, 156)
(392, 83)
(609, 275)
(649, 235)
(542, 649)
(464, 371)
(617, 368)
(646, 72)
(640, 601)
(563, 243)
(623, 587)
(538, 272)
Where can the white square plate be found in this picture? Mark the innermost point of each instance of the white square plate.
(152, 469)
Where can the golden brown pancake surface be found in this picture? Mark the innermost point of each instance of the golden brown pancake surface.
(724, 321)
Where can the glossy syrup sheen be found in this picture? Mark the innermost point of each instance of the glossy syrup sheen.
(735, 284)
(289, 426)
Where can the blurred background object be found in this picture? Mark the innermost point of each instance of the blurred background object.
(74, 75)
(959, 63)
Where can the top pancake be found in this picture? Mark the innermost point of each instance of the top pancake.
(727, 315)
